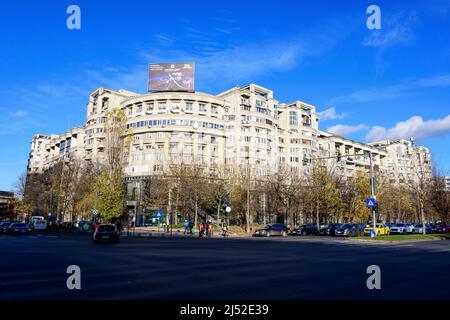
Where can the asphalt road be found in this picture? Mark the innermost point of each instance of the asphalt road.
(34, 267)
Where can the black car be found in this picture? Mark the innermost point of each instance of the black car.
(305, 230)
(107, 232)
(4, 226)
(18, 228)
(276, 229)
(329, 229)
(350, 230)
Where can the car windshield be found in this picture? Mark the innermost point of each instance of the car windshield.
(419, 225)
(345, 226)
(400, 225)
(106, 228)
(5, 224)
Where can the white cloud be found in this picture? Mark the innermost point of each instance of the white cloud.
(18, 114)
(345, 130)
(401, 89)
(395, 30)
(331, 114)
(414, 127)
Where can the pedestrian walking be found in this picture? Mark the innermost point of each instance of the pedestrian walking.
(224, 230)
(204, 230)
(186, 226)
(119, 226)
(209, 229)
(191, 227)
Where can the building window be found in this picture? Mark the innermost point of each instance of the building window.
(293, 118)
(162, 106)
(189, 106)
(214, 109)
(202, 107)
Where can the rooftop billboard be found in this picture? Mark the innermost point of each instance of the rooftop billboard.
(171, 77)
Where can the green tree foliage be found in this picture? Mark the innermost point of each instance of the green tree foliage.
(111, 196)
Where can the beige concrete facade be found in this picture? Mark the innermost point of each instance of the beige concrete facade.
(241, 126)
(405, 162)
(355, 156)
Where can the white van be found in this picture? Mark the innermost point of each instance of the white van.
(38, 223)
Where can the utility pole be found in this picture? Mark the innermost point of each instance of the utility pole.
(169, 210)
(248, 200)
(420, 183)
(372, 191)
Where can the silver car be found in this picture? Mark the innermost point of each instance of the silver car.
(402, 228)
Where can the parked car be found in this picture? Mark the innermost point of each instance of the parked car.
(275, 229)
(39, 224)
(402, 228)
(329, 229)
(18, 228)
(350, 230)
(440, 228)
(304, 230)
(380, 229)
(106, 232)
(4, 226)
(418, 228)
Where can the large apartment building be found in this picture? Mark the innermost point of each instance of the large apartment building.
(405, 162)
(243, 126)
(447, 183)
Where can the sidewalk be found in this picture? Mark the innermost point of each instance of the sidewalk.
(147, 232)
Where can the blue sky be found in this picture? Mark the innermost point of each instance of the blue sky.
(368, 84)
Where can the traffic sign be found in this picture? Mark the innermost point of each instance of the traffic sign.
(373, 234)
(95, 212)
(49, 214)
(158, 214)
(371, 202)
(228, 209)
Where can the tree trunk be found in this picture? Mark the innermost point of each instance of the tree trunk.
(218, 212)
(196, 212)
(422, 214)
(317, 216)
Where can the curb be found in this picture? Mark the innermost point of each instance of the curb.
(393, 241)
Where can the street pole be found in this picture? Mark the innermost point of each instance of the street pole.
(372, 191)
(169, 210)
(248, 204)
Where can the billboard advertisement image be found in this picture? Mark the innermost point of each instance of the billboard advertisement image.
(171, 77)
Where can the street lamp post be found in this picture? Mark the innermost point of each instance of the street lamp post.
(372, 191)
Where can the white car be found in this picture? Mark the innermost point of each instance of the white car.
(402, 228)
(38, 223)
